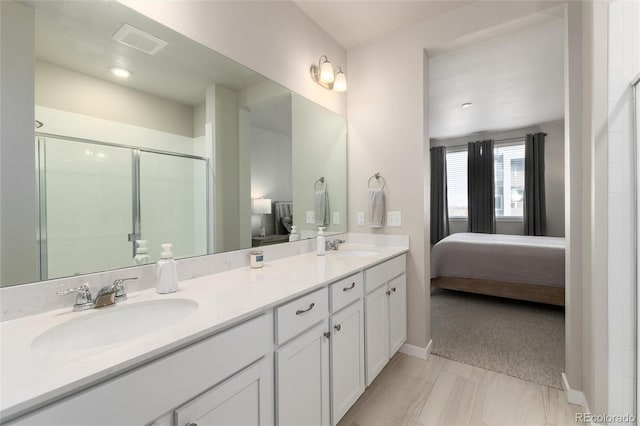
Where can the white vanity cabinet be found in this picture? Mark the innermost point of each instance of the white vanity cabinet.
(385, 313)
(302, 360)
(158, 387)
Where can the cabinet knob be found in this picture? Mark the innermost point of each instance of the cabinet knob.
(388, 293)
(327, 334)
(353, 284)
(302, 311)
(393, 289)
(337, 327)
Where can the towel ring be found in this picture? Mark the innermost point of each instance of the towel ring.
(320, 184)
(379, 179)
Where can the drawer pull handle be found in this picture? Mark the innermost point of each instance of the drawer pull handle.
(388, 293)
(191, 424)
(337, 327)
(327, 334)
(393, 289)
(302, 311)
(353, 284)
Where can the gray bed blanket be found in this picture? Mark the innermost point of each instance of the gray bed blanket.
(497, 257)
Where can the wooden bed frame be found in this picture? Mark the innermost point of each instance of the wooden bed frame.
(529, 292)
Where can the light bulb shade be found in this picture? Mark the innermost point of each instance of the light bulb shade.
(326, 72)
(340, 83)
(261, 206)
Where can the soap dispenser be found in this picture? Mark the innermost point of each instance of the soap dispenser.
(293, 236)
(166, 271)
(320, 242)
(142, 256)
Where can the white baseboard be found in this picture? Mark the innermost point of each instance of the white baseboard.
(575, 397)
(417, 351)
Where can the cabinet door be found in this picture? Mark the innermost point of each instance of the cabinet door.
(242, 399)
(347, 358)
(397, 313)
(302, 379)
(377, 332)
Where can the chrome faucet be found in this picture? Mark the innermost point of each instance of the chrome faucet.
(333, 244)
(107, 295)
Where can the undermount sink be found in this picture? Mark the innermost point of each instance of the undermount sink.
(347, 252)
(115, 324)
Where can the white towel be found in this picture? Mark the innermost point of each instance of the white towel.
(322, 208)
(376, 208)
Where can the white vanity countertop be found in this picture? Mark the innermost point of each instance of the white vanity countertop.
(32, 378)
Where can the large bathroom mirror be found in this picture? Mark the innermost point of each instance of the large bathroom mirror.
(143, 136)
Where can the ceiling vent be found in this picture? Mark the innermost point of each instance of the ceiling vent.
(138, 39)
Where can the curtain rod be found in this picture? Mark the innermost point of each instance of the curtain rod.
(495, 140)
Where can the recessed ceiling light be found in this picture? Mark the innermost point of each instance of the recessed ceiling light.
(466, 105)
(120, 72)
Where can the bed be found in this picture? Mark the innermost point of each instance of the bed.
(512, 266)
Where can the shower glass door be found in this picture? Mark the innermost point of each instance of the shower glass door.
(85, 207)
(96, 199)
(173, 203)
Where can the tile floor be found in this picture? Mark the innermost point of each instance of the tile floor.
(439, 391)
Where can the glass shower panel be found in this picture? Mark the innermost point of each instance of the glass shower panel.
(173, 204)
(87, 203)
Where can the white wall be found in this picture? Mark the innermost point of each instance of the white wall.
(68, 90)
(623, 66)
(19, 260)
(275, 39)
(388, 131)
(270, 171)
(554, 176)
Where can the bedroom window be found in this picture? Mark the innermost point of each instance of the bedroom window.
(508, 175)
(457, 184)
(509, 180)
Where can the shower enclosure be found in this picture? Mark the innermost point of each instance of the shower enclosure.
(96, 199)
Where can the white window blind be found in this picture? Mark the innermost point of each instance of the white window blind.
(457, 183)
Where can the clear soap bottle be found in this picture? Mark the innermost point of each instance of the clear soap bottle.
(320, 242)
(166, 271)
(142, 253)
(293, 236)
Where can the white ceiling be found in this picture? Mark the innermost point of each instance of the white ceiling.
(355, 22)
(77, 35)
(514, 80)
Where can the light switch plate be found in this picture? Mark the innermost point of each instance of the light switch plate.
(311, 217)
(336, 218)
(394, 219)
(360, 218)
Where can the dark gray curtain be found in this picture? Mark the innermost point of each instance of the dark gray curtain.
(481, 187)
(535, 212)
(439, 207)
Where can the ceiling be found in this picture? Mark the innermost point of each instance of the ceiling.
(77, 35)
(514, 80)
(355, 22)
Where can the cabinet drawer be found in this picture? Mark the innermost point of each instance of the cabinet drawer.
(380, 274)
(346, 291)
(300, 314)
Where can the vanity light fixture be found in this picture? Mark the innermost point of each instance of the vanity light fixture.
(466, 105)
(325, 75)
(120, 72)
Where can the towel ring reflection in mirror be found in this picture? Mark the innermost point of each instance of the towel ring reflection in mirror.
(378, 179)
(320, 184)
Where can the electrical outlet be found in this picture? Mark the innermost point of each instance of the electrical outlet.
(394, 219)
(360, 218)
(311, 217)
(336, 218)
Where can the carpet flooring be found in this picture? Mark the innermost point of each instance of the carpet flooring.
(520, 339)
